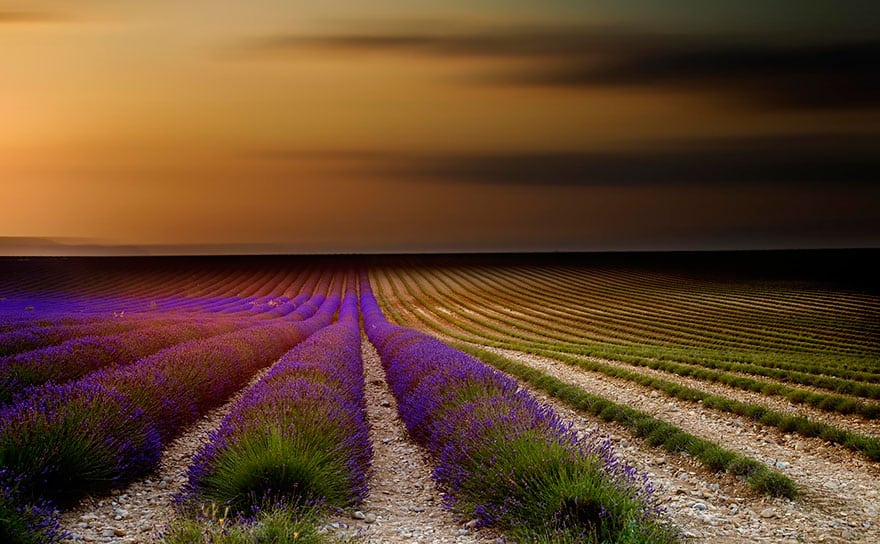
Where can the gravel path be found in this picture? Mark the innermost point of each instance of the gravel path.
(404, 504)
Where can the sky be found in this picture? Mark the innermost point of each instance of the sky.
(214, 126)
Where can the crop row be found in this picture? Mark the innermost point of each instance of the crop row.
(728, 373)
(81, 356)
(144, 279)
(62, 442)
(501, 455)
(296, 439)
(602, 307)
(637, 316)
(656, 432)
(625, 302)
(742, 300)
(867, 445)
(755, 354)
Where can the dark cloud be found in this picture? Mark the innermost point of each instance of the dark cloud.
(839, 75)
(807, 160)
(763, 72)
(515, 42)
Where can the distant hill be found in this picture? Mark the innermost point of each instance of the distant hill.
(27, 246)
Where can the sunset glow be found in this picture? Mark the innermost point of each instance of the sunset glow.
(276, 126)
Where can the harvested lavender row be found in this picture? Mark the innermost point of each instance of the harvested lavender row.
(102, 431)
(500, 455)
(299, 436)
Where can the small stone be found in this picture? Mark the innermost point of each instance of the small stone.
(471, 524)
(108, 532)
(415, 508)
(370, 518)
(699, 506)
(782, 464)
(386, 440)
(119, 531)
(768, 513)
(660, 461)
(654, 394)
(385, 404)
(358, 515)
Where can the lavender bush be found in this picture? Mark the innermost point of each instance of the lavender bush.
(77, 357)
(25, 522)
(299, 435)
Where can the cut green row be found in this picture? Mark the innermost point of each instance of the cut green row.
(635, 356)
(655, 432)
(867, 445)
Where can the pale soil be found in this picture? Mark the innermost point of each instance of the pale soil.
(841, 489)
(404, 504)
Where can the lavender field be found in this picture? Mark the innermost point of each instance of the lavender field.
(436, 399)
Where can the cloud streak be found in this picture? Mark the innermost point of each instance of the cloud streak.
(762, 73)
(797, 161)
(28, 17)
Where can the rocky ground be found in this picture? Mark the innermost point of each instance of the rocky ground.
(841, 489)
(840, 503)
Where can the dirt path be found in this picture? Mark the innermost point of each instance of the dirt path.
(404, 504)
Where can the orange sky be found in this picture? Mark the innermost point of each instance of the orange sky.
(229, 123)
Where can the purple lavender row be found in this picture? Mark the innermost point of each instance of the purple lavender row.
(501, 456)
(78, 357)
(26, 338)
(299, 435)
(99, 432)
(30, 336)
